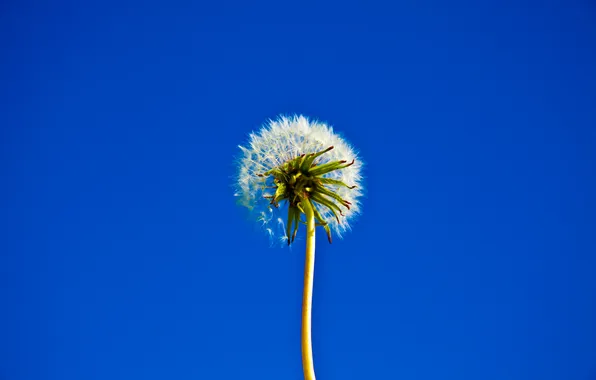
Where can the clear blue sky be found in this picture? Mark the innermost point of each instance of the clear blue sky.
(124, 256)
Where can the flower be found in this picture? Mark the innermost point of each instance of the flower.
(292, 159)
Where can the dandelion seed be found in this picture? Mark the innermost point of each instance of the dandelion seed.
(286, 139)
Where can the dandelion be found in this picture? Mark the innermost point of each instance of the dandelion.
(295, 167)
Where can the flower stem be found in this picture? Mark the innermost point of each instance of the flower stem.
(309, 270)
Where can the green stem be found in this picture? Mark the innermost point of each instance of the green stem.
(309, 270)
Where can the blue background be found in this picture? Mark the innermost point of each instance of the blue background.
(124, 255)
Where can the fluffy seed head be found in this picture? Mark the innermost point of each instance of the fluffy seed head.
(283, 143)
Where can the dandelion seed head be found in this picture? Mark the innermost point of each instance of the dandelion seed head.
(285, 139)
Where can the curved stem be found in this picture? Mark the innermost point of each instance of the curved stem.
(309, 270)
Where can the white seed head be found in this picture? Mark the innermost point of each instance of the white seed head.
(282, 140)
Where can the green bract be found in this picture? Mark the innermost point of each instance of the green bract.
(302, 180)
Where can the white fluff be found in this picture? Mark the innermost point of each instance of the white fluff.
(284, 139)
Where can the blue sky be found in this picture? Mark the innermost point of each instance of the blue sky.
(125, 256)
